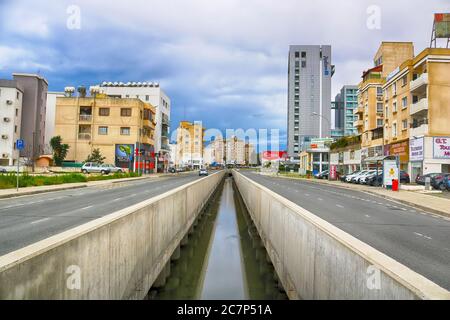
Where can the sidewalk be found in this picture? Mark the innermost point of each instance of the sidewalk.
(419, 200)
(11, 193)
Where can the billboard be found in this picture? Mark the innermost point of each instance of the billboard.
(442, 25)
(390, 171)
(124, 155)
(416, 147)
(441, 147)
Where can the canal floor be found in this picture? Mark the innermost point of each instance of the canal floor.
(224, 258)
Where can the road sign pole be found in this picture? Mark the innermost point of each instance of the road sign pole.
(18, 168)
(20, 145)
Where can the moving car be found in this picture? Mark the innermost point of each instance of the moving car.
(420, 179)
(203, 172)
(91, 167)
(439, 181)
(113, 168)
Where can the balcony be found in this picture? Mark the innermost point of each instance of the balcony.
(420, 83)
(358, 123)
(418, 131)
(358, 110)
(421, 105)
(85, 118)
(84, 136)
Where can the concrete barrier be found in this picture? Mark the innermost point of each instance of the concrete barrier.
(118, 256)
(316, 260)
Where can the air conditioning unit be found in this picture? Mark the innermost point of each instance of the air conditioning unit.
(5, 136)
(5, 156)
(6, 119)
(9, 102)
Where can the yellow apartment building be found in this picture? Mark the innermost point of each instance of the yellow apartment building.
(190, 138)
(417, 112)
(120, 128)
(370, 112)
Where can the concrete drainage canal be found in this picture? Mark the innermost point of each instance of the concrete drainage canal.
(223, 258)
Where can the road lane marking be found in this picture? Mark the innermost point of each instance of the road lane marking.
(118, 199)
(339, 206)
(85, 208)
(39, 221)
(367, 216)
(423, 236)
(320, 199)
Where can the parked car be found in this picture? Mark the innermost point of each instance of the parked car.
(439, 181)
(343, 177)
(91, 167)
(203, 172)
(322, 175)
(375, 180)
(420, 179)
(447, 182)
(349, 177)
(404, 177)
(172, 170)
(3, 170)
(113, 168)
(181, 169)
(358, 178)
(365, 179)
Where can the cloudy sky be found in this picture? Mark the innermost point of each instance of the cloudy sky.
(221, 61)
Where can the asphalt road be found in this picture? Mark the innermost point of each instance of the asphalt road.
(415, 238)
(25, 220)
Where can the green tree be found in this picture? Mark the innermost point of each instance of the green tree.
(59, 150)
(96, 157)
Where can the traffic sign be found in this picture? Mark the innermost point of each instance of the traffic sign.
(20, 144)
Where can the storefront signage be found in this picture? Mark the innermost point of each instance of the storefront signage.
(400, 149)
(441, 147)
(416, 149)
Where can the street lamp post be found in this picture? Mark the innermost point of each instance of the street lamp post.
(329, 151)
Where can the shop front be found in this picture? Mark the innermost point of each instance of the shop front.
(429, 155)
(400, 150)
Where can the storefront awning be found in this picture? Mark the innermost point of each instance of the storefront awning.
(379, 158)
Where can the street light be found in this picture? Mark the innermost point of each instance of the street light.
(329, 151)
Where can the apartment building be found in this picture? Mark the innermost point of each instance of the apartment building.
(214, 153)
(34, 103)
(370, 110)
(50, 118)
(309, 95)
(148, 92)
(11, 99)
(417, 112)
(251, 157)
(123, 130)
(344, 105)
(190, 138)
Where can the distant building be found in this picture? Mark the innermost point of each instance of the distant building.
(309, 95)
(123, 130)
(148, 92)
(34, 104)
(11, 99)
(50, 119)
(344, 105)
(190, 138)
(230, 152)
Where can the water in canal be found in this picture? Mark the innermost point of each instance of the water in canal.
(224, 257)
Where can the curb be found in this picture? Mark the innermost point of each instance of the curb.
(418, 206)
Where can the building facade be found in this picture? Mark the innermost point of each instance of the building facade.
(151, 93)
(123, 130)
(34, 104)
(11, 99)
(345, 103)
(190, 138)
(309, 95)
(417, 112)
(50, 118)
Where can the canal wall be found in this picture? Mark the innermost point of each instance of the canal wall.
(316, 260)
(118, 256)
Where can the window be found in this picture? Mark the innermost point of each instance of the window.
(297, 54)
(379, 123)
(125, 112)
(103, 112)
(394, 106)
(103, 131)
(404, 102)
(303, 64)
(387, 111)
(404, 80)
(394, 130)
(379, 108)
(147, 97)
(15, 129)
(405, 124)
(394, 89)
(17, 112)
(379, 91)
(125, 131)
(303, 54)
(17, 95)
(297, 64)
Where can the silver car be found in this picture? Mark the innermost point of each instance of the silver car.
(113, 168)
(91, 167)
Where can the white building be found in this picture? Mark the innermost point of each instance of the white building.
(11, 95)
(208, 154)
(151, 93)
(173, 154)
(50, 118)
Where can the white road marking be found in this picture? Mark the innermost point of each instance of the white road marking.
(307, 194)
(85, 208)
(423, 236)
(118, 199)
(339, 206)
(320, 199)
(367, 216)
(39, 221)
